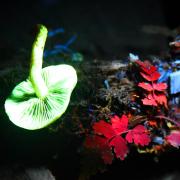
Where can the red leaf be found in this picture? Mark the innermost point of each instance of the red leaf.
(149, 70)
(107, 156)
(160, 86)
(120, 147)
(95, 141)
(143, 65)
(140, 63)
(151, 77)
(145, 86)
(149, 100)
(161, 99)
(119, 124)
(138, 135)
(146, 67)
(174, 138)
(110, 139)
(104, 128)
(101, 144)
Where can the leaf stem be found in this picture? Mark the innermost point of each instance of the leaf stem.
(118, 134)
(36, 79)
(169, 119)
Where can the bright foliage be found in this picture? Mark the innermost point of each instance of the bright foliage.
(107, 136)
(155, 92)
(112, 138)
(174, 138)
(139, 135)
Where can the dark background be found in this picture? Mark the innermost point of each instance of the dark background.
(106, 30)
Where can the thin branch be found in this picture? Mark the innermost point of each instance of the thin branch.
(169, 119)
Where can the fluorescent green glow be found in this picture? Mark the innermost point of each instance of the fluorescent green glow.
(36, 63)
(44, 96)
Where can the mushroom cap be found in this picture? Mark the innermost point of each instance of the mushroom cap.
(28, 111)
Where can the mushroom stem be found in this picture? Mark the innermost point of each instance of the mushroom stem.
(36, 79)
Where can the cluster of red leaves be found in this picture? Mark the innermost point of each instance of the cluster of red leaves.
(111, 139)
(155, 92)
(114, 136)
(155, 95)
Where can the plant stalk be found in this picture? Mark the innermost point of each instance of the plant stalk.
(36, 79)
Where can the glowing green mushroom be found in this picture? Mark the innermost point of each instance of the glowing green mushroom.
(45, 95)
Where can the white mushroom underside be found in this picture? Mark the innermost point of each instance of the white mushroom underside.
(26, 110)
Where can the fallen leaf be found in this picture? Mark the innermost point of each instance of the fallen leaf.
(139, 135)
(104, 128)
(119, 124)
(120, 147)
(174, 138)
